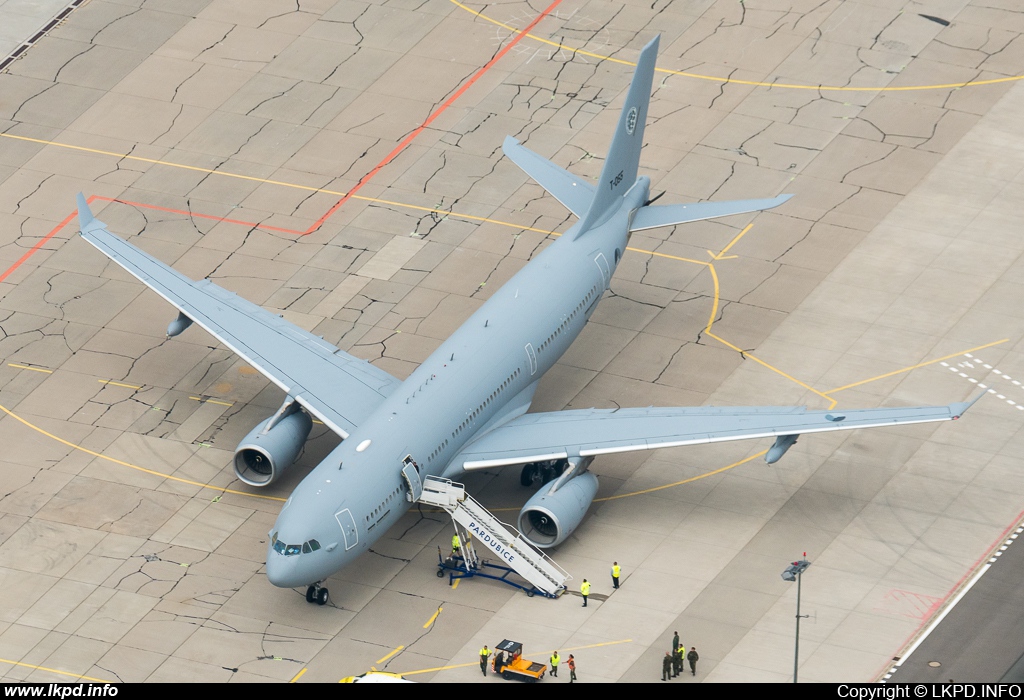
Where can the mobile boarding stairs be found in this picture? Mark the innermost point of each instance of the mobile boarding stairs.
(472, 521)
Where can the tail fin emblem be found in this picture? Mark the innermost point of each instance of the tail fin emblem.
(631, 121)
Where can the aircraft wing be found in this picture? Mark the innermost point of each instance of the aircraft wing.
(338, 388)
(535, 437)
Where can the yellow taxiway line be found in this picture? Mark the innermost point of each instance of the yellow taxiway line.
(53, 670)
(733, 81)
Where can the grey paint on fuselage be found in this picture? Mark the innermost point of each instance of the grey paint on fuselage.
(551, 297)
(463, 407)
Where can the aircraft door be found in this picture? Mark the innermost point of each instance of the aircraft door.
(348, 527)
(602, 265)
(532, 356)
(411, 475)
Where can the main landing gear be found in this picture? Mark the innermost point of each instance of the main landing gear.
(316, 594)
(542, 472)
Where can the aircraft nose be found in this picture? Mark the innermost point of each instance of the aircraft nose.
(283, 572)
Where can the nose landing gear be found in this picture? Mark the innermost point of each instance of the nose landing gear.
(316, 594)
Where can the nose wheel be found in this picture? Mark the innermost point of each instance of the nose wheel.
(316, 594)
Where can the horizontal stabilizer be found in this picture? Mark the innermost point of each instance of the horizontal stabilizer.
(672, 214)
(574, 193)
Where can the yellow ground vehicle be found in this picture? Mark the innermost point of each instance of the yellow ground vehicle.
(510, 664)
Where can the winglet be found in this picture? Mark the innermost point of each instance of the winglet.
(960, 408)
(85, 216)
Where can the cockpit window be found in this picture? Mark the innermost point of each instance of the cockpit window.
(292, 549)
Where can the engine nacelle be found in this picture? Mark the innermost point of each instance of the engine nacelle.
(548, 518)
(264, 454)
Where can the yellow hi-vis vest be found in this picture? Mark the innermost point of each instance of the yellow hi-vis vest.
(585, 588)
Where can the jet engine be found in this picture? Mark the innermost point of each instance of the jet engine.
(555, 511)
(271, 447)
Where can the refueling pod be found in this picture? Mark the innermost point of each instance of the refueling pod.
(556, 511)
(272, 446)
(781, 446)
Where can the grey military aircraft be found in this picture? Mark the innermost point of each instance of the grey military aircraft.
(466, 406)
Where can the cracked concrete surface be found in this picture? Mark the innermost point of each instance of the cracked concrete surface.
(897, 248)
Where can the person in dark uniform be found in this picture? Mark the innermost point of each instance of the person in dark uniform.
(666, 666)
(499, 662)
(692, 658)
(675, 641)
(677, 661)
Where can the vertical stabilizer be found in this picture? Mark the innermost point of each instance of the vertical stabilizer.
(620, 167)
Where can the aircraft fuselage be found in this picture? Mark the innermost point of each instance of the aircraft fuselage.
(480, 377)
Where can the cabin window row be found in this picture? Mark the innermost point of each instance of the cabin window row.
(479, 409)
(384, 503)
(568, 319)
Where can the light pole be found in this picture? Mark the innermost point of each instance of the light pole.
(792, 573)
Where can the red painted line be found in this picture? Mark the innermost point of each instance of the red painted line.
(956, 587)
(41, 243)
(70, 217)
(447, 103)
(366, 178)
(251, 224)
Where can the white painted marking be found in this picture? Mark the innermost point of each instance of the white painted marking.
(941, 616)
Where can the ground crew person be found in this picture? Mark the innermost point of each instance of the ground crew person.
(584, 591)
(666, 664)
(677, 661)
(572, 668)
(456, 544)
(484, 653)
(616, 570)
(692, 658)
(555, 658)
